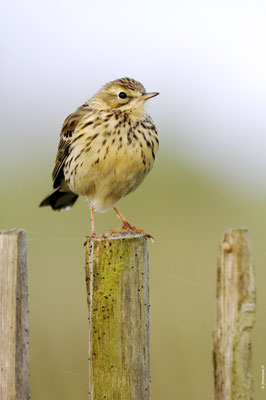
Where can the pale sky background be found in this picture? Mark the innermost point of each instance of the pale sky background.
(207, 59)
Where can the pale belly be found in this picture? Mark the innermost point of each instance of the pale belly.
(106, 175)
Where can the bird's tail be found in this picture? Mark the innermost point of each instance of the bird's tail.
(59, 200)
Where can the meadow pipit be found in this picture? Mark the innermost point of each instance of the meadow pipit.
(107, 147)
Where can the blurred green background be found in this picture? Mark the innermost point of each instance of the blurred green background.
(208, 62)
(187, 213)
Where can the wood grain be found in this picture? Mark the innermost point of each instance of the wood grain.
(235, 318)
(14, 342)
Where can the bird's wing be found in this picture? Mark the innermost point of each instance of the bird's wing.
(66, 137)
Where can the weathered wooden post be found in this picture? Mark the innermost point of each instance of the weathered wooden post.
(118, 299)
(14, 342)
(235, 318)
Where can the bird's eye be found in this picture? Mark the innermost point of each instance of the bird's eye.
(122, 95)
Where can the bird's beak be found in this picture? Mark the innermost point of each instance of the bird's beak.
(147, 96)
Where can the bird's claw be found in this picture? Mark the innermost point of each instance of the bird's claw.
(127, 227)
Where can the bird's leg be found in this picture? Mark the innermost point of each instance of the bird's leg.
(127, 226)
(93, 234)
(92, 221)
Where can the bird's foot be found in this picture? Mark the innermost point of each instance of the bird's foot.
(129, 228)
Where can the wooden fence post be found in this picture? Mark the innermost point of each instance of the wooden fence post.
(235, 318)
(14, 344)
(118, 300)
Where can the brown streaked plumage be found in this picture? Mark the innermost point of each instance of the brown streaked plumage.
(106, 148)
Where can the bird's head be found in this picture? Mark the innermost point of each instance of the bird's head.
(125, 94)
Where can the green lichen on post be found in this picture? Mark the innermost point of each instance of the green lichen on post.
(118, 300)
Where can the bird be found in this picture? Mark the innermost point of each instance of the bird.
(106, 149)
